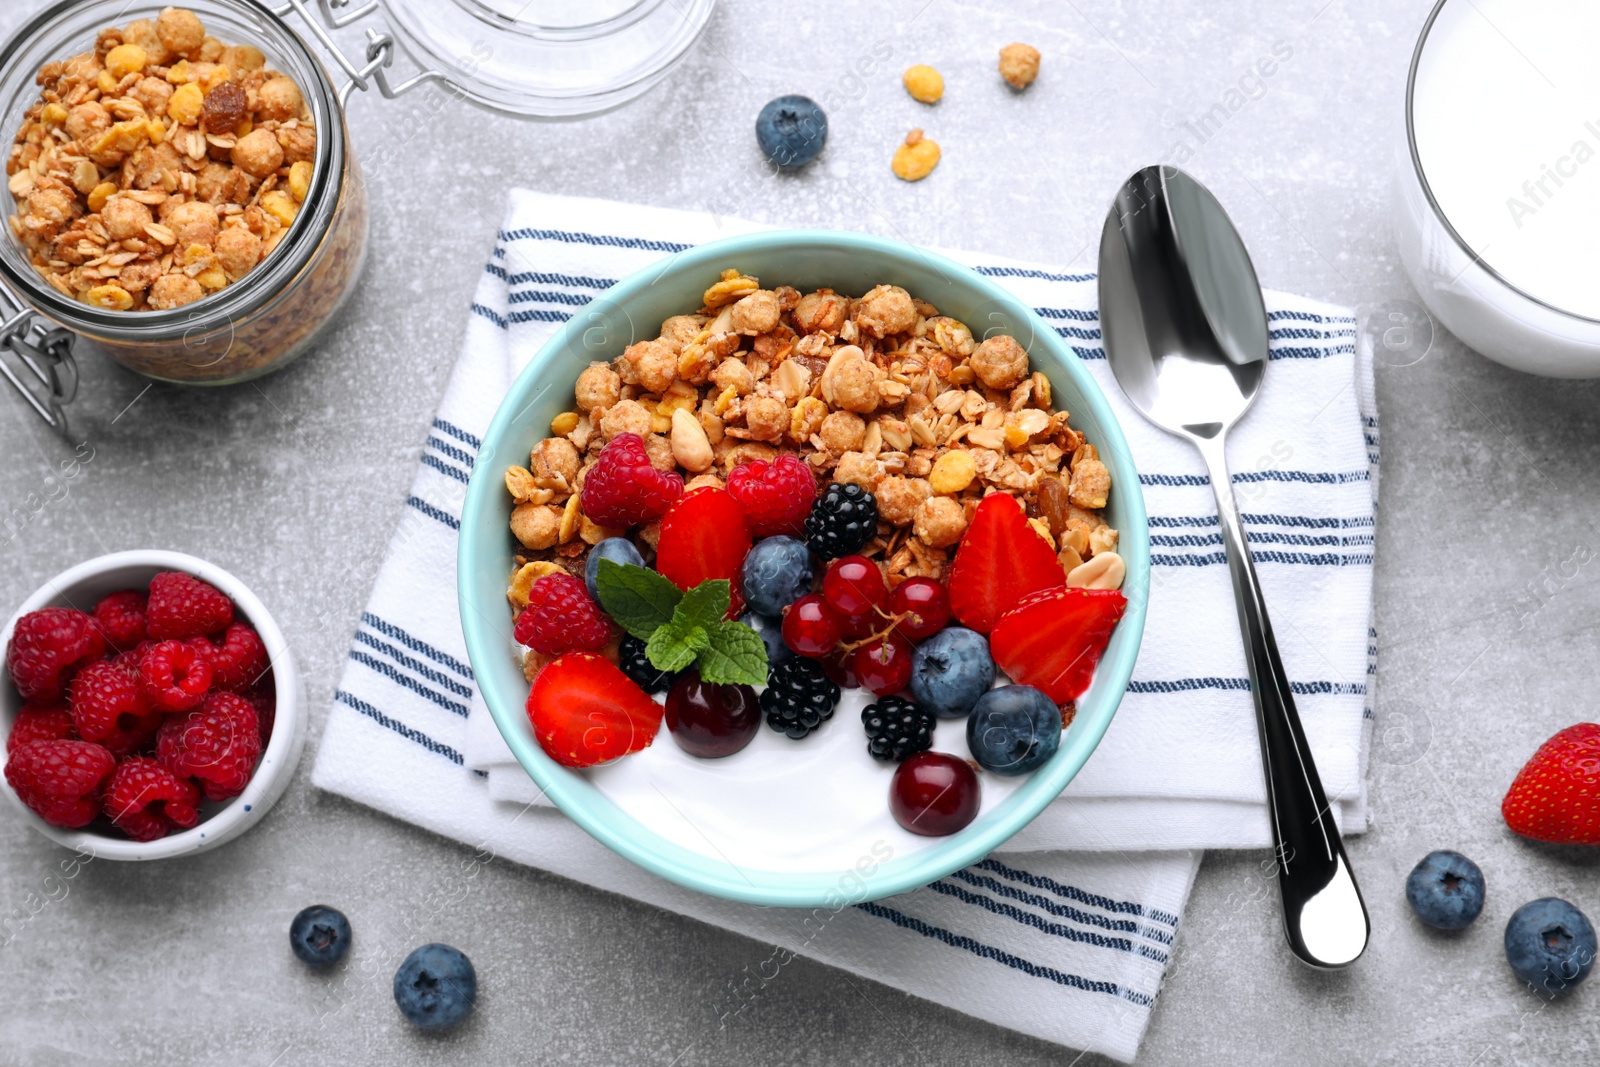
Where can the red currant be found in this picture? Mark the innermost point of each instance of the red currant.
(810, 627)
(854, 586)
(709, 720)
(884, 666)
(934, 794)
(928, 604)
(837, 668)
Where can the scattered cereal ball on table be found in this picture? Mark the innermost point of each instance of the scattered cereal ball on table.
(916, 158)
(791, 130)
(925, 84)
(1019, 64)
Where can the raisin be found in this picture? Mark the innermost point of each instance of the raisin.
(224, 108)
(1054, 504)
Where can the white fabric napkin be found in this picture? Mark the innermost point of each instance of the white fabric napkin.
(1067, 933)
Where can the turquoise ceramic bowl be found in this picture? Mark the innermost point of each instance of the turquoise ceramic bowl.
(632, 310)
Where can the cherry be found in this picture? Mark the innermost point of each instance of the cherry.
(854, 586)
(837, 668)
(709, 720)
(811, 627)
(929, 604)
(934, 794)
(884, 666)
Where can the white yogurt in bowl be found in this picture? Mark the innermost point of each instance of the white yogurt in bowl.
(1498, 187)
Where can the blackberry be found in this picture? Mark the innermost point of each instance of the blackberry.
(842, 521)
(636, 665)
(897, 728)
(799, 697)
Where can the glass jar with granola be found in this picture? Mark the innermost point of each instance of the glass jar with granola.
(180, 187)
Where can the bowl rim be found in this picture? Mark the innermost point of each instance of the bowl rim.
(278, 759)
(483, 535)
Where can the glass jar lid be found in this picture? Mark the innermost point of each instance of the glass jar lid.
(550, 58)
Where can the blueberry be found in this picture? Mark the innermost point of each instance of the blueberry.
(616, 549)
(435, 987)
(1550, 944)
(951, 670)
(771, 631)
(1013, 729)
(791, 131)
(320, 935)
(777, 572)
(1445, 890)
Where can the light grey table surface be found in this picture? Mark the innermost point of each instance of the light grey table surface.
(1488, 644)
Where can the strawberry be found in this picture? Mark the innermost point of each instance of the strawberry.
(1001, 560)
(1553, 797)
(1053, 638)
(704, 535)
(585, 711)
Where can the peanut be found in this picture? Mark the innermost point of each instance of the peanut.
(690, 446)
(1105, 571)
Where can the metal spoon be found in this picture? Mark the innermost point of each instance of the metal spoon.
(1186, 336)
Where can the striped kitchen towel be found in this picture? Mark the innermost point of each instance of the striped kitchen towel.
(1067, 933)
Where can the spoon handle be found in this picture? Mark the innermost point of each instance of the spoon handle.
(1324, 917)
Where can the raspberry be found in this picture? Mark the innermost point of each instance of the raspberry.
(265, 701)
(40, 722)
(218, 743)
(238, 661)
(122, 618)
(60, 780)
(181, 605)
(109, 708)
(47, 646)
(146, 800)
(776, 497)
(560, 617)
(175, 675)
(623, 489)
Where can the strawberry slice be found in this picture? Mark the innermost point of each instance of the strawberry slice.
(704, 535)
(585, 711)
(1001, 560)
(1054, 638)
(1553, 797)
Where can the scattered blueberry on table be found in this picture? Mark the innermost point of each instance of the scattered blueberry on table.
(1445, 890)
(320, 935)
(435, 987)
(1550, 945)
(791, 130)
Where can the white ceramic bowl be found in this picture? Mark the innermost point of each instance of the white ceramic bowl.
(81, 587)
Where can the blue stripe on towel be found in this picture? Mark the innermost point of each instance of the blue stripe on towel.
(1258, 519)
(408, 682)
(575, 281)
(1342, 540)
(978, 948)
(529, 296)
(438, 678)
(434, 513)
(598, 239)
(399, 727)
(1045, 926)
(1025, 272)
(1070, 892)
(1298, 559)
(1246, 477)
(1189, 685)
(422, 648)
(458, 433)
(445, 468)
(460, 455)
(1065, 911)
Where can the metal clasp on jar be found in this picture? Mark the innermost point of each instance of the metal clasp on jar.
(380, 47)
(45, 353)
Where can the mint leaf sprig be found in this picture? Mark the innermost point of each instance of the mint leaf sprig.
(683, 628)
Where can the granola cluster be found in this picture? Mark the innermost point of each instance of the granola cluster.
(159, 167)
(880, 390)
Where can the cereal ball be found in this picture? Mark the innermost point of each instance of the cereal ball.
(81, 67)
(731, 373)
(554, 457)
(649, 364)
(855, 385)
(899, 498)
(680, 330)
(940, 521)
(258, 153)
(536, 525)
(756, 313)
(242, 58)
(823, 311)
(279, 100)
(137, 277)
(598, 387)
(299, 143)
(659, 449)
(886, 309)
(1000, 362)
(843, 431)
(625, 416)
(766, 418)
(87, 119)
(218, 183)
(1019, 64)
(49, 209)
(153, 93)
(860, 469)
(181, 31)
(238, 250)
(925, 84)
(124, 217)
(174, 290)
(807, 418)
(915, 159)
(194, 221)
(1091, 483)
(142, 32)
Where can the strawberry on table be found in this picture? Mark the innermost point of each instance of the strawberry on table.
(1054, 637)
(1553, 797)
(585, 711)
(1001, 559)
(705, 535)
